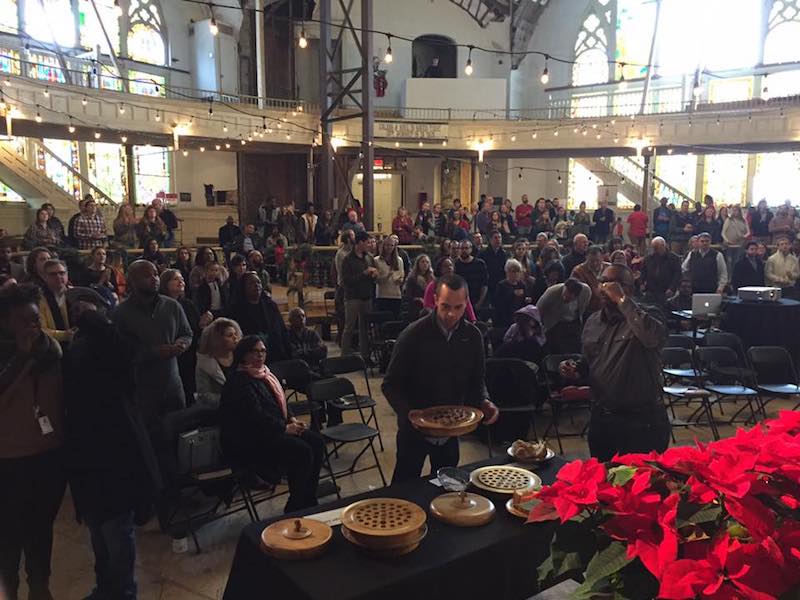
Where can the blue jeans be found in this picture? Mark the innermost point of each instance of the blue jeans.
(114, 546)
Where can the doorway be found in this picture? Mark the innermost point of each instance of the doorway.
(427, 47)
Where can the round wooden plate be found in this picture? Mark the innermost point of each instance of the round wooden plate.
(447, 420)
(409, 545)
(296, 539)
(550, 454)
(471, 511)
(512, 508)
(383, 517)
(504, 479)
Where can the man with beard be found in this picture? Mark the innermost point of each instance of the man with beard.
(622, 359)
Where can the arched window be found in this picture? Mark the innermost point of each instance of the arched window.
(146, 33)
(591, 46)
(91, 33)
(781, 46)
(427, 47)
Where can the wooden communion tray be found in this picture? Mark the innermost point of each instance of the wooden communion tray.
(384, 526)
(448, 420)
(463, 509)
(296, 539)
(503, 479)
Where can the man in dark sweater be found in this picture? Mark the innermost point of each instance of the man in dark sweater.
(448, 351)
(474, 271)
(661, 273)
(749, 270)
(578, 254)
(495, 258)
(358, 274)
(603, 221)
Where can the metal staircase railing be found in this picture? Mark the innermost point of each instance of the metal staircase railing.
(632, 171)
(99, 195)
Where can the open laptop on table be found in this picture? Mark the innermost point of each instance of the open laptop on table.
(705, 306)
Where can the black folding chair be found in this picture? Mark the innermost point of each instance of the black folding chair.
(715, 359)
(514, 388)
(776, 375)
(295, 375)
(676, 340)
(353, 363)
(742, 371)
(330, 315)
(679, 368)
(561, 402)
(332, 391)
(375, 321)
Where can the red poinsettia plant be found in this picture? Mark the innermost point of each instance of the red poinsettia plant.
(718, 520)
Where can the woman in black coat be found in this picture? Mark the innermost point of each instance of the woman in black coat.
(257, 314)
(258, 431)
(514, 292)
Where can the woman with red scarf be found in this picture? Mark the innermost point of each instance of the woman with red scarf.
(259, 432)
(403, 226)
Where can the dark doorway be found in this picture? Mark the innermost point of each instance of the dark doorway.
(427, 47)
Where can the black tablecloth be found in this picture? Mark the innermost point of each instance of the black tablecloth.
(496, 561)
(764, 323)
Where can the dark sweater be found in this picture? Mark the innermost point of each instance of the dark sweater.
(427, 369)
(476, 275)
(264, 319)
(661, 272)
(745, 275)
(357, 285)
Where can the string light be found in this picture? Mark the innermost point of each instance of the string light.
(555, 133)
(202, 148)
(84, 101)
(97, 135)
(302, 42)
(559, 177)
(124, 139)
(243, 142)
(288, 135)
(218, 147)
(121, 109)
(158, 115)
(513, 138)
(444, 142)
(669, 150)
(419, 144)
(545, 78)
(520, 174)
(225, 127)
(533, 135)
(46, 92)
(468, 68)
(210, 107)
(212, 25)
(765, 89)
(38, 117)
(227, 145)
(71, 127)
(397, 144)
(388, 58)
(3, 103)
(185, 153)
(623, 85)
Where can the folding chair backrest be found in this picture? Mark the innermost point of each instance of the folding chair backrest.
(675, 340)
(329, 295)
(330, 389)
(716, 356)
(392, 329)
(676, 357)
(293, 374)
(729, 340)
(351, 363)
(773, 364)
(511, 381)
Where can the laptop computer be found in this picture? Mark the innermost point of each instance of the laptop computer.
(706, 305)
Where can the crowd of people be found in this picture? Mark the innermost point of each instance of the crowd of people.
(96, 359)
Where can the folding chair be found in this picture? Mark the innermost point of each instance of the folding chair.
(742, 370)
(332, 391)
(679, 367)
(352, 363)
(564, 396)
(713, 359)
(330, 315)
(295, 375)
(776, 375)
(676, 340)
(514, 388)
(375, 320)
(678, 363)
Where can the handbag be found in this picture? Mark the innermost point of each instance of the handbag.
(199, 450)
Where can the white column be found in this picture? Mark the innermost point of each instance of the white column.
(261, 73)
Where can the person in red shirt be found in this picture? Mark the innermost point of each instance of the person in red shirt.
(523, 214)
(637, 227)
(403, 226)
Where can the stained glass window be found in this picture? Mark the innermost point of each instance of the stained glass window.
(90, 29)
(591, 47)
(9, 17)
(107, 168)
(777, 178)
(9, 61)
(45, 67)
(635, 22)
(50, 21)
(152, 172)
(145, 36)
(64, 152)
(725, 178)
(9, 195)
(146, 84)
(109, 78)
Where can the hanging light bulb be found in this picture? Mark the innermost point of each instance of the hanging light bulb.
(388, 58)
(185, 153)
(765, 89)
(444, 142)
(533, 135)
(46, 92)
(158, 116)
(217, 146)
(468, 68)
(520, 174)
(97, 135)
(210, 108)
(513, 138)
(545, 78)
(555, 133)
(117, 9)
(202, 148)
(288, 135)
(122, 109)
(302, 42)
(419, 144)
(242, 142)
(225, 127)
(227, 145)
(71, 127)
(3, 103)
(559, 177)
(669, 150)
(124, 139)
(38, 117)
(84, 101)
(213, 27)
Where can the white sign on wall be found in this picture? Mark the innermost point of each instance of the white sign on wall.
(607, 193)
(398, 130)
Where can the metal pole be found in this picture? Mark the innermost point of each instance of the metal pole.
(108, 40)
(367, 120)
(511, 57)
(310, 175)
(325, 181)
(646, 181)
(261, 71)
(649, 75)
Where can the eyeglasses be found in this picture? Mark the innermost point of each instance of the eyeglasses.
(259, 350)
(59, 273)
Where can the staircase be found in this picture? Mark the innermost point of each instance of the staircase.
(628, 175)
(23, 176)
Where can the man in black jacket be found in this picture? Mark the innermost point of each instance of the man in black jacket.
(661, 273)
(495, 258)
(749, 270)
(359, 274)
(578, 254)
(437, 360)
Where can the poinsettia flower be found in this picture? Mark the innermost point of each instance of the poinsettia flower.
(751, 512)
(788, 421)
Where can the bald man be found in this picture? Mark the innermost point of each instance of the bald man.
(661, 273)
(159, 329)
(622, 359)
(580, 243)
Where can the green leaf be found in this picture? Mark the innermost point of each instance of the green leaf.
(706, 514)
(604, 564)
(572, 546)
(621, 475)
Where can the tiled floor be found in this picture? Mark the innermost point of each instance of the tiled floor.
(164, 575)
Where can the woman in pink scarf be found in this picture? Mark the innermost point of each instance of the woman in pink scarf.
(259, 432)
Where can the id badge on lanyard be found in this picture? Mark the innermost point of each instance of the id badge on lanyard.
(42, 419)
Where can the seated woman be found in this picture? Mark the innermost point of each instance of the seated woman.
(214, 359)
(153, 254)
(428, 301)
(514, 292)
(257, 314)
(525, 338)
(258, 431)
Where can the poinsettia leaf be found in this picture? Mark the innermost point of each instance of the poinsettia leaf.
(545, 570)
(621, 475)
(608, 561)
(708, 513)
